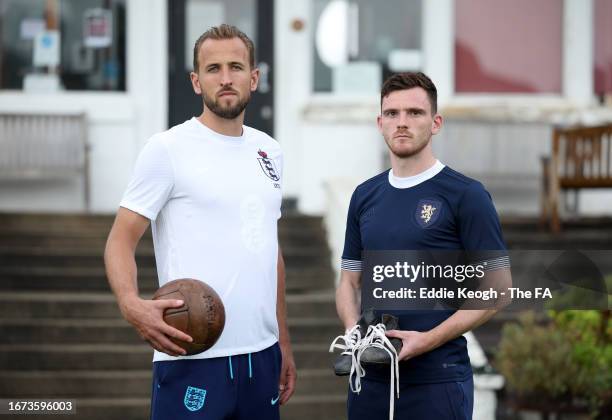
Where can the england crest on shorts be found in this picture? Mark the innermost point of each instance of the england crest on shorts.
(194, 398)
(427, 212)
(267, 166)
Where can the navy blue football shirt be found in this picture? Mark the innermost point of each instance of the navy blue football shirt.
(438, 209)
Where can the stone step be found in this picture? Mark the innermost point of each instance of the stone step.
(133, 383)
(79, 357)
(288, 235)
(118, 331)
(544, 241)
(328, 407)
(58, 223)
(67, 278)
(143, 250)
(74, 257)
(20, 305)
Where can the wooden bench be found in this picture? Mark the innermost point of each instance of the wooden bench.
(44, 146)
(581, 158)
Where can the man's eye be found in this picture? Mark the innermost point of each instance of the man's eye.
(390, 114)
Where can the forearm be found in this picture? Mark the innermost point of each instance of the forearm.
(348, 298)
(459, 323)
(479, 312)
(281, 304)
(121, 271)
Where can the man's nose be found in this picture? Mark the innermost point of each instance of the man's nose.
(402, 121)
(226, 79)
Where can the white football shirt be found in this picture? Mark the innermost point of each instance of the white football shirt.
(214, 202)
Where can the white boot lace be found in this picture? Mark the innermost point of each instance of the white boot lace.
(351, 337)
(375, 337)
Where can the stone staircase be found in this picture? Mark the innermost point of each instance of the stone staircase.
(63, 337)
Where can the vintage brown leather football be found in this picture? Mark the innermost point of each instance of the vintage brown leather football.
(202, 315)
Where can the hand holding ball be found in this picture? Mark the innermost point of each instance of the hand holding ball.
(202, 315)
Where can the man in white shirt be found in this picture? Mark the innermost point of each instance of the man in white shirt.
(211, 189)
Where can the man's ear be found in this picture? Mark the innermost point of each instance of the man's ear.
(436, 125)
(254, 79)
(379, 123)
(195, 83)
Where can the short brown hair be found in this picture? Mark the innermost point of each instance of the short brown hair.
(402, 81)
(224, 31)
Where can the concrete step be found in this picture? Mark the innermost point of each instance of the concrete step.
(36, 304)
(118, 331)
(67, 331)
(93, 278)
(143, 250)
(133, 383)
(75, 257)
(125, 408)
(327, 407)
(316, 406)
(287, 236)
(127, 357)
(95, 224)
(542, 241)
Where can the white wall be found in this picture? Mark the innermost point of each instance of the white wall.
(498, 139)
(118, 123)
(293, 85)
(337, 141)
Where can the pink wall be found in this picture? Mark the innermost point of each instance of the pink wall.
(603, 46)
(508, 46)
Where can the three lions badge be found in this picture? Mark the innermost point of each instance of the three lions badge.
(194, 398)
(268, 166)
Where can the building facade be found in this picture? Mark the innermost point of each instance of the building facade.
(506, 72)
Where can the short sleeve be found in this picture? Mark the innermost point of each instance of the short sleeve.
(279, 162)
(480, 229)
(351, 256)
(152, 181)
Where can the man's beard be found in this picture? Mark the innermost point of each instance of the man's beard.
(229, 113)
(403, 153)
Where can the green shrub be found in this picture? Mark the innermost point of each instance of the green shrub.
(567, 358)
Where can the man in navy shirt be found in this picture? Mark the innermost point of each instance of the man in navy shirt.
(420, 204)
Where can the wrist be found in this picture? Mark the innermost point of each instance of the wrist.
(126, 303)
(430, 340)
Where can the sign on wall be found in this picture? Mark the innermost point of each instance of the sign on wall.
(97, 28)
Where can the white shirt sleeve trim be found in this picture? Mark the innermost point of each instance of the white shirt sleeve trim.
(350, 265)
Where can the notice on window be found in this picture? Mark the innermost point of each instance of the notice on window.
(30, 27)
(97, 28)
(47, 49)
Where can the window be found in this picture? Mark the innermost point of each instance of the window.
(383, 37)
(62, 45)
(603, 47)
(506, 46)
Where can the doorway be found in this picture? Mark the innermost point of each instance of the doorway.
(187, 20)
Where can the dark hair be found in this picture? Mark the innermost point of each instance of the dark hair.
(224, 31)
(402, 81)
